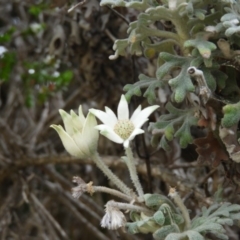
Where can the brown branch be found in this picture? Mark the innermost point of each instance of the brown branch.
(158, 172)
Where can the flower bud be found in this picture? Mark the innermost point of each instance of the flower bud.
(80, 137)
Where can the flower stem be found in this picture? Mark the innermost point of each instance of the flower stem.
(128, 206)
(112, 192)
(174, 195)
(133, 172)
(117, 182)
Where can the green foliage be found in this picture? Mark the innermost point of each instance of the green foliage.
(164, 231)
(189, 235)
(230, 20)
(139, 5)
(161, 223)
(193, 39)
(181, 84)
(204, 47)
(231, 115)
(145, 82)
(7, 62)
(177, 123)
(42, 80)
(155, 201)
(213, 219)
(165, 224)
(36, 9)
(7, 36)
(159, 218)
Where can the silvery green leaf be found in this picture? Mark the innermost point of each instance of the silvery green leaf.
(154, 201)
(135, 216)
(132, 228)
(220, 235)
(228, 17)
(164, 231)
(230, 31)
(159, 217)
(147, 226)
(224, 221)
(210, 226)
(193, 235)
(175, 236)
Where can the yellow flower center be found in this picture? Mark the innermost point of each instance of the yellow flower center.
(124, 128)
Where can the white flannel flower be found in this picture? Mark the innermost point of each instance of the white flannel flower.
(80, 137)
(120, 128)
(113, 218)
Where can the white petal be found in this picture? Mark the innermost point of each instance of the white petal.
(112, 114)
(136, 112)
(68, 142)
(142, 117)
(77, 121)
(109, 133)
(67, 121)
(80, 141)
(105, 118)
(80, 113)
(123, 112)
(90, 135)
(135, 132)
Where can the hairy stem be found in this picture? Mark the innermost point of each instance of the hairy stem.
(112, 192)
(128, 206)
(176, 198)
(118, 183)
(133, 172)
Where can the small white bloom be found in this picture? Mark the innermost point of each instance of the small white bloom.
(121, 129)
(31, 71)
(56, 74)
(114, 218)
(79, 137)
(2, 51)
(48, 59)
(35, 27)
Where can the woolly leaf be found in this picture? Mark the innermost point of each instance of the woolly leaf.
(154, 201)
(134, 216)
(219, 235)
(120, 48)
(228, 17)
(211, 226)
(159, 217)
(142, 5)
(213, 219)
(200, 14)
(161, 233)
(204, 47)
(176, 218)
(152, 49)
(175, 236)
(147, 225)
(160, 12)
(132, 228)
(176, 123)
(182, 83)
(231, 115)
(145, 82)
(193, 235)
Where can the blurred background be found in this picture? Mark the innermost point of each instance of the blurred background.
(50, 59)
